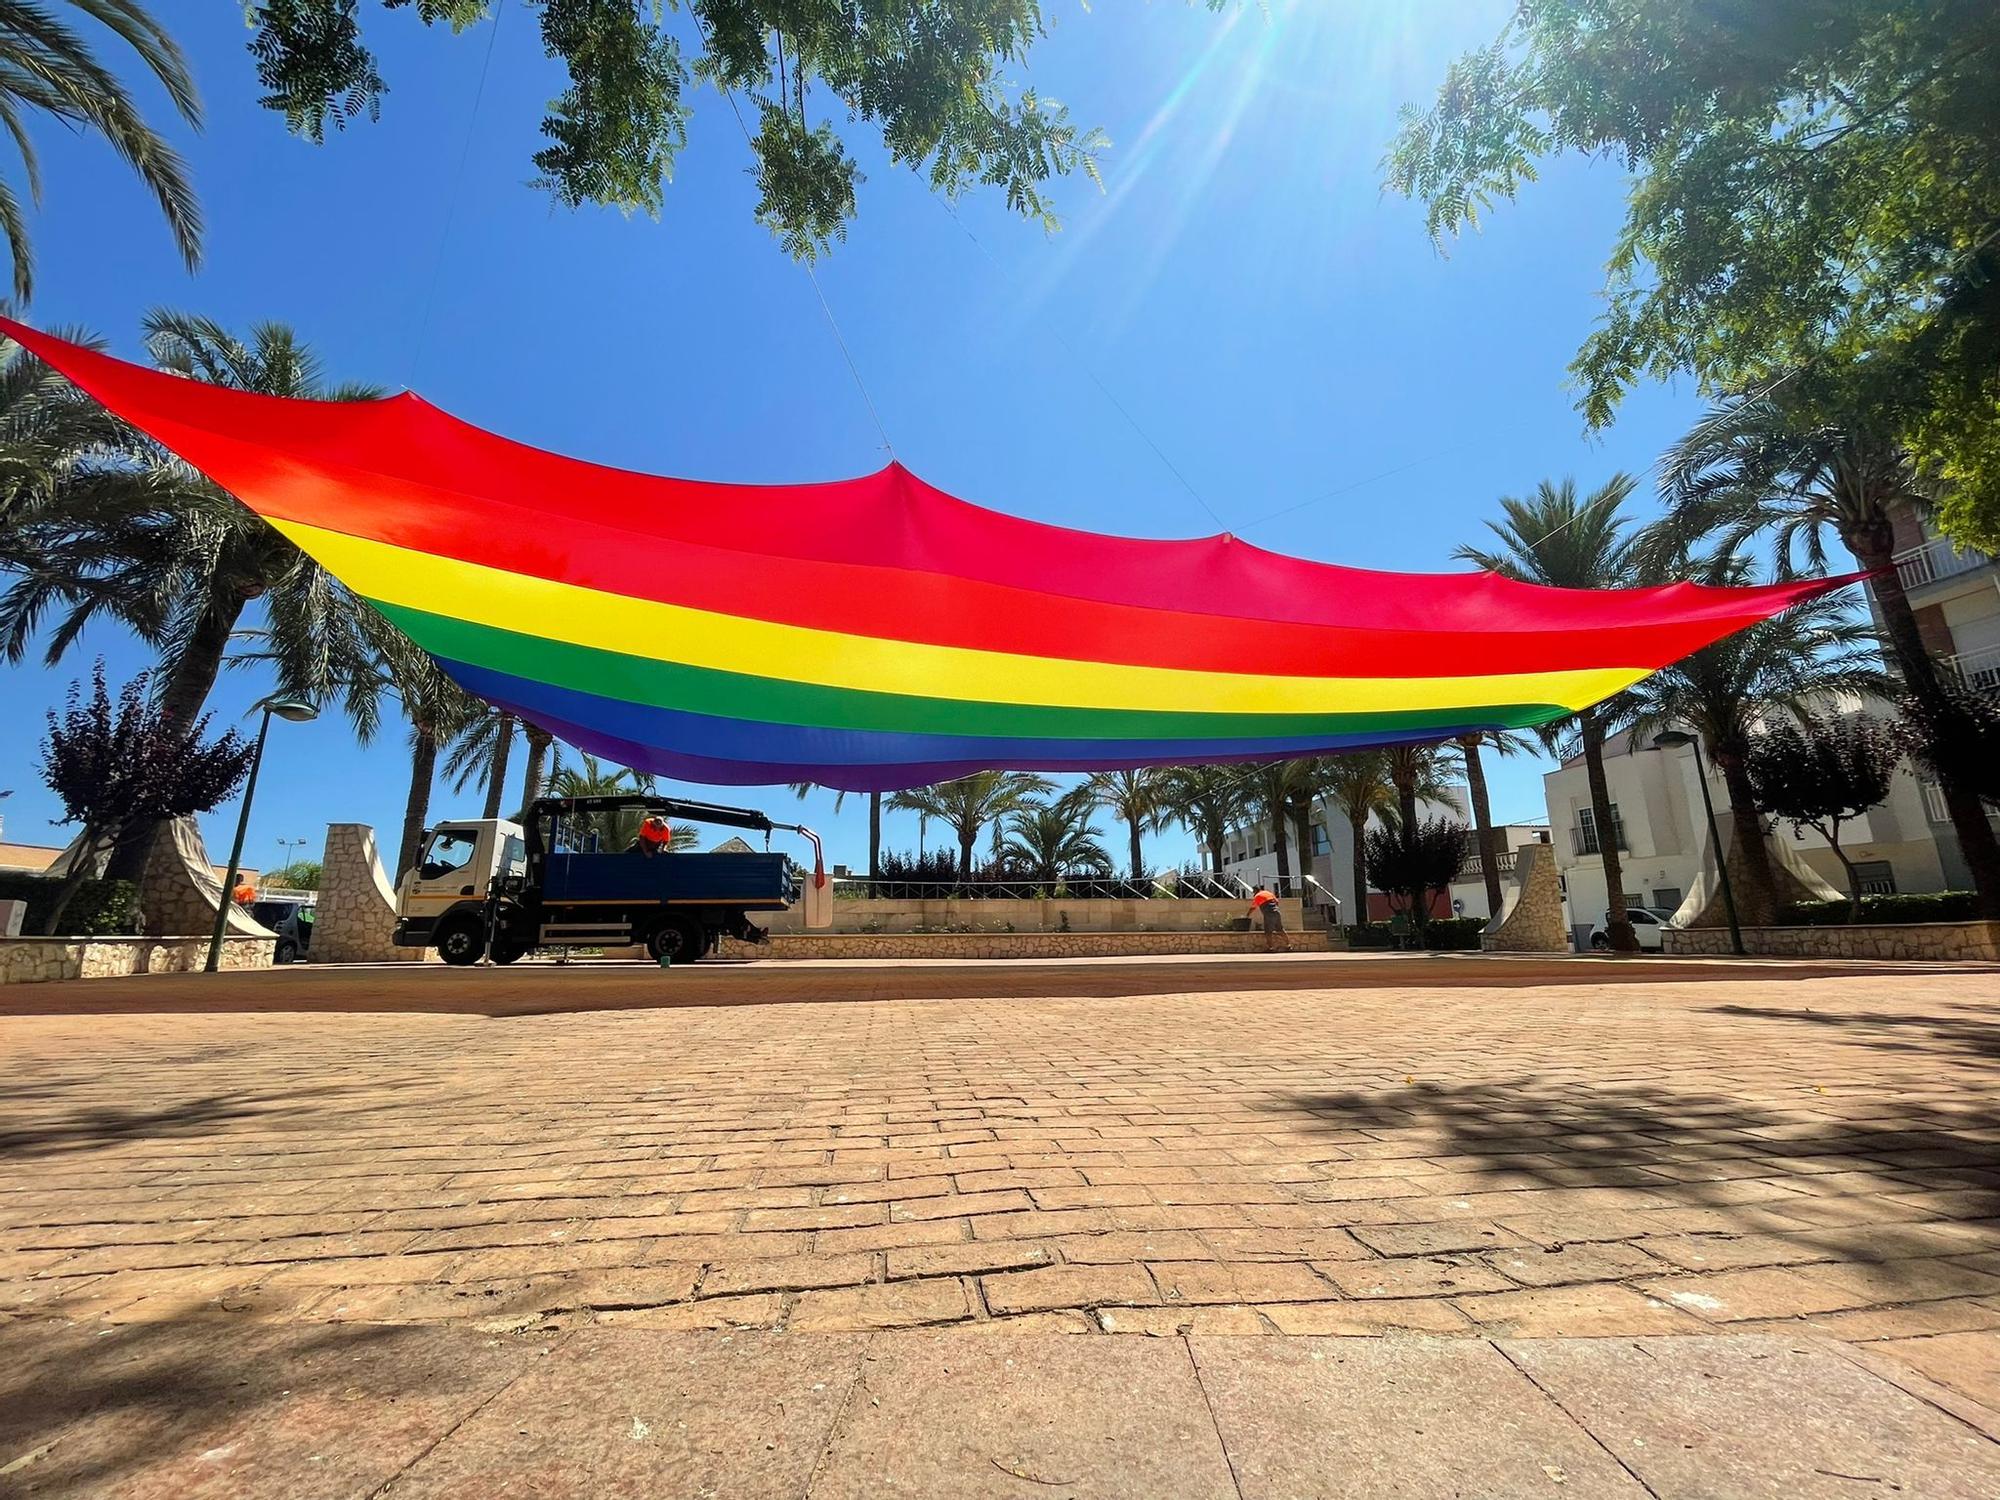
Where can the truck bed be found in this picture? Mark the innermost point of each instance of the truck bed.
(752, 881)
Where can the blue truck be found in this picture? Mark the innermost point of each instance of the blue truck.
(567, 875)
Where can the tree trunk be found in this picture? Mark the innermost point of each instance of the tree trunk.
(423, 767)
(1274, 814)
(1757, 891)
(496, 774)
(183, 693)
(1873, 544)
(538, 751)
(1617, 926)
(1138, 853)
(79, 872)
(966, 840)
(1853, 876)
(1406, 799)
(1217, 835)
(1359, 828)
(874, 835)
(1482, 822)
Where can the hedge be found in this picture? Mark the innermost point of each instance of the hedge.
(1443, 933)
(1931, 906)
(97, 908)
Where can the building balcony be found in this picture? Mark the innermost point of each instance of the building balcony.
(1978, 670)
(1474, 868)
(1935, 561)
(1584, 840)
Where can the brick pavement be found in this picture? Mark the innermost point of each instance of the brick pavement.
(1461, 1151)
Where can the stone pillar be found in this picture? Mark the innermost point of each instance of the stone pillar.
(179, 892)
(356, 919)
(1530, 919)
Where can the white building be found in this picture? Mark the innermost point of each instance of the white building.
(1956, 598)
(1907, 844)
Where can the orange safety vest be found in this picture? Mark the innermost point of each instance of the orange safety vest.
(1262, 898)
(656, 831)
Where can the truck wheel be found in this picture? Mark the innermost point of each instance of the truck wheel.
(678, 938)
(461, 943)
(288, 952)
(504, 952)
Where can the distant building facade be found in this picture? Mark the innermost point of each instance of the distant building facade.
(1250, 854)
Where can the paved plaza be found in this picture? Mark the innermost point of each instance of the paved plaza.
(415, 1227)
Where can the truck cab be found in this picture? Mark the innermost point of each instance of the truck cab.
(568, 876)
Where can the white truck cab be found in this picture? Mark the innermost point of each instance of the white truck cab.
(458, 862)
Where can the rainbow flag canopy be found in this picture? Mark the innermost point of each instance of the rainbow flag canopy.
(877, 633)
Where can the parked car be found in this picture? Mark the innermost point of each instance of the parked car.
(291, 917)
(1647, 924)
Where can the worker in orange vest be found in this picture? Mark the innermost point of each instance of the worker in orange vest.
(1264, 905)
(656, 836)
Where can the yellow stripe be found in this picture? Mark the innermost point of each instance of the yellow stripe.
(729, 643)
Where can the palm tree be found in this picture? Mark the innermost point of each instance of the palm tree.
(46, 426)
(1556, 538)
(1466, 748)
(970, 803)
(1790, 663)
(1208, 799)
(1358, 786)
(129, 533)
(801, 788)
(1048, 841)
(591, 777)
(1417, 773)
(1757, 466)
(532, 776)
(479, 753)
(1135, 797)
(48, 66)
(1272, 789)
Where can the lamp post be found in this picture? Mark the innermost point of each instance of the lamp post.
(1673, 739)
(293, 710)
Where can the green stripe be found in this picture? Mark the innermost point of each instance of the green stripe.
(771, 700)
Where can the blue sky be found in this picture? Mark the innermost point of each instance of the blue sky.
(1272, 322)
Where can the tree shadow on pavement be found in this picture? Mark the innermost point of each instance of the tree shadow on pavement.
(106, 1125)
(1719, 1164)
(1950, 1028)
(217, 1405)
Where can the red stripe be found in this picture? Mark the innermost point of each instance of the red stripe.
(887, 555)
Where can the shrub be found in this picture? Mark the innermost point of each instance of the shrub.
(98, 907)
(1930, 906)
(1441, 934)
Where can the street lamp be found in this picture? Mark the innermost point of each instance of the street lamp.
(296, 711)
(1673, 739)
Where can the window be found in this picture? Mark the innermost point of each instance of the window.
(514, 855)
(1586, 838)
(1320, 844)
(450, 851)
(1667, 898)
(1875, 877)
(1257, 852)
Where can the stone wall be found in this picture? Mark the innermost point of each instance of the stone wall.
(883, 915)
(1008, 944)
(356, 918)
(32, 960)
(1530, 919)
(1956, 940)
(178, 890)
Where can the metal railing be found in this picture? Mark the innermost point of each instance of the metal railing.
(1584, 840)
(1934, 560)
(1978, 670)
(1475, 867)
(1069, 888)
